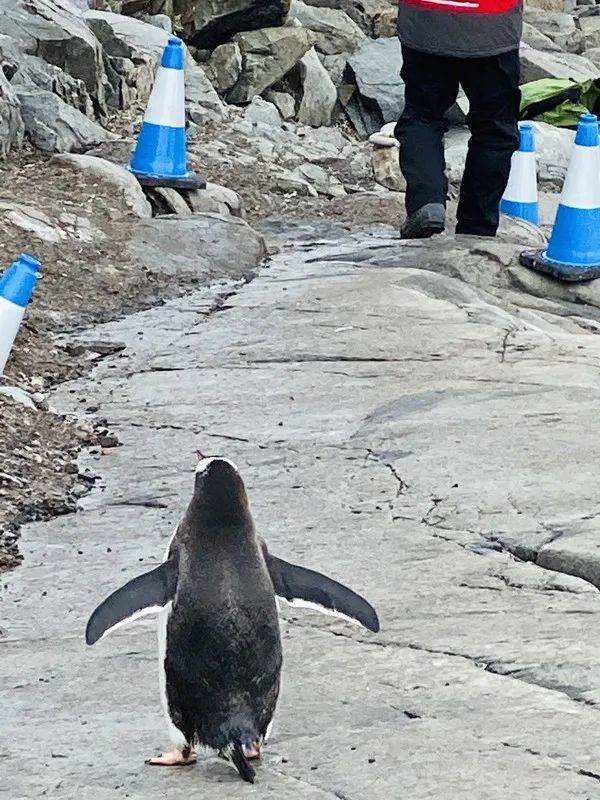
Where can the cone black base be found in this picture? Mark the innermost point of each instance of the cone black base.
(537, 261)
(188, 182)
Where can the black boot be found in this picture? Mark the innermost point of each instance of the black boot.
(425, 222)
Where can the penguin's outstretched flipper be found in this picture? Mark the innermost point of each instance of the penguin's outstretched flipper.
(304, 587)
(143, 595)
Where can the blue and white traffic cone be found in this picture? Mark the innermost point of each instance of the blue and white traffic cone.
(573, 253)
(521, 195)
(16, 287)
(160, 157)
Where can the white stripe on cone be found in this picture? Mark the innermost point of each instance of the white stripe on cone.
(582, 185)
(11, 316)
(522, 183)
(166, 105)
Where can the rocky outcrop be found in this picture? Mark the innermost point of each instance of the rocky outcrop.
(133, 49)
(379, 96)
(536, 64)
(334, 31)
(55, 31)
(267, 56)
(319, 95)
(557, 26)
(55, 127)
(112, 178)
(11, 121)
(209, 23)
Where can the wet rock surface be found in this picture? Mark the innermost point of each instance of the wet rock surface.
(396, 409)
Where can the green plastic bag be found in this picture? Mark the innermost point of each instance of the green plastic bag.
(559, 102)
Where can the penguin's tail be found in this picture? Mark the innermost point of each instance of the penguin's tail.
(236, 753)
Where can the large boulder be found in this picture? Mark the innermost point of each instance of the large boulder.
(557, 26)
(539, 41)
(24, 70)
(536, 64)
(54, 127)
(319, 95)
(375, 70)
(116, 181)
(11, 122)
(209, 23)
(590, 28)
(334, 31)
(370, 15)
(134, 49)
(268, 55)
(201, 244)
(55, 31)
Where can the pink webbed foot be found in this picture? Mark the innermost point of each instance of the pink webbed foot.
(176, 758)
(252, 751)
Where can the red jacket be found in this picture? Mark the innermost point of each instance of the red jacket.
(462, 28)
(466, 6)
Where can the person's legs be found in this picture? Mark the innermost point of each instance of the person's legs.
(492, 86)
(431, 88)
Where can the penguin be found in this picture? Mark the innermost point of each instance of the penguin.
(216, 595)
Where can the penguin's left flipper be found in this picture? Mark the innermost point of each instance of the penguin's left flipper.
(143, 595)
(299, 586)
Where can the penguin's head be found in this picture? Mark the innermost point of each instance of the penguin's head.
(219, 490)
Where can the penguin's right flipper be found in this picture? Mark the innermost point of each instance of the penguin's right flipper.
(143, 595)
(300, 586)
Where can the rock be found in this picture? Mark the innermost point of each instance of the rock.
(12, 127)
(160, 21)
(225, 67)
(335, 66)
(116, 179)
(319, 95)
(593, 54)
(168, 201)
(385, 24)
(289, 183)
(554, 149)
(386, 137)
(31, 71)
(532, 37)
(386, 168)
(536, 64)
(590, 28)
(202, 244)
(55, 31)
(321, 180)
(142, 45)
(366, 14)
(549, 5)
(553, 152)
(54, 127)
(18, 396)
(33, 221)
(375, 69)
(262, 113)
(334, 31)
(558, 27)
(268, 55)
(215, 199)
(284, 102)
(209, 23)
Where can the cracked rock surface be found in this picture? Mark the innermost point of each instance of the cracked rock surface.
(433, 444)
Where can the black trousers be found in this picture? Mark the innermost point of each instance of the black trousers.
(431, 87)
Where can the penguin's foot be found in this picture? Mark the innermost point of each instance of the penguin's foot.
(252, 751)
(176, 758)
